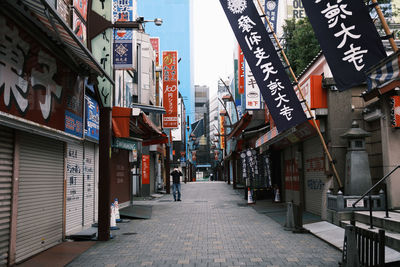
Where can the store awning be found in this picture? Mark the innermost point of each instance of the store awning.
(43, 15)
(149, 108)
(383, 77)
(240, 125)
(126, 125)
(286, 138)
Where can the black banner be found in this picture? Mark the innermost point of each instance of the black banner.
(265, 64)
(348, 38)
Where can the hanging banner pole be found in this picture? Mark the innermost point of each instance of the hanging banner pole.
(384, 24)
(303, 98)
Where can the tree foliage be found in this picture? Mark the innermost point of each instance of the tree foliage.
(300, 44)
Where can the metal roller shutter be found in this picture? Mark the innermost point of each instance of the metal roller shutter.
(314, 175)
(40, 197)
(96, 186)
(89, 187)
(6, 173)
(74, 179)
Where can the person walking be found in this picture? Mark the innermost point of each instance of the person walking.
(176, 183)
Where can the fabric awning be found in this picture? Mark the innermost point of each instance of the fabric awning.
(50, 22)
(289, 137)
(383, 77)
(240, 125)
(149, 108)
(126, 125)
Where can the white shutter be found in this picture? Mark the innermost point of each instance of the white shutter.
(40, 196)
(89, 185)
(96, 182)
(74, 181)
(6, 173)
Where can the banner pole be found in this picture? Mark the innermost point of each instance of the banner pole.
(303, 98)
(384, 24)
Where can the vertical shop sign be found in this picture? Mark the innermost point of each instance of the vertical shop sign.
(264, 63)
(81, 7)
(124, 10)
(79, 27)
(145, 169)
(241, 70)
(252, 92)
(222, 131)
(102, 51)
(122, 49)
(155, 43)
(271, 11)
(395, 111)
(348, 38)
(92, 124)
(170, 89)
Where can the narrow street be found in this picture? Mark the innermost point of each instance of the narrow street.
(212, 226)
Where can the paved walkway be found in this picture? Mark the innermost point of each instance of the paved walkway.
(210, 227)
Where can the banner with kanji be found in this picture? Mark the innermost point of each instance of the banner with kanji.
(264, 63)
(155, 43)
(348, 38)
(170, 89)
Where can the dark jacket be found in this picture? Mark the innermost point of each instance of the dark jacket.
(176, 177)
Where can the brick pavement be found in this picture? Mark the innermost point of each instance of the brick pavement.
(208, 228)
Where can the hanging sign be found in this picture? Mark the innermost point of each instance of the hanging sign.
(271, 11)
(264, 63)
(348, 38)
(145, 169)
(155, 43)
(92, 125)
(122, 49)
(252, 92)
(395, 111)
(170, 89)
(241, 71)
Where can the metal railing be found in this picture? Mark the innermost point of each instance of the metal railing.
(370, 197)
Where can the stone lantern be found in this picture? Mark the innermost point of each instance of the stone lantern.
(358, 176)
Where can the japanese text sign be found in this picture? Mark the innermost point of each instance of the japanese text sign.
(92, 125)
(347, 37)
(395, 111)
(253, 96)
(170, 89)
(145, 169)
(123, 49)
(222, 131)
(241, 71)
(271, 11)
(155, 43)
(124, 10)
(81, 7)
(264, 63)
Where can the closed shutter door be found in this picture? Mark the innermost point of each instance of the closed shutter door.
(88, 191)
(96, 179)
(41, 194)
(74, 179)
(6, 172)
(314, 173)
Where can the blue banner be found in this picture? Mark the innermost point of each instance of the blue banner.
(271, 11)
(92, 123)
(265, 64)
(73, 124)
(348, 38)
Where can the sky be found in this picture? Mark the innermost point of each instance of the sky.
(213, 45)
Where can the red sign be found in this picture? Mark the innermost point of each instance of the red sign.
(170, 89)
(241, 71)
(145, 169)
(155, 43)
(81, 6)
(395, 111)
(292, 178)
(222, 122)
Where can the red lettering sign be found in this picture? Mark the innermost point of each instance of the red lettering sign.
(170, 89)
(145, 169)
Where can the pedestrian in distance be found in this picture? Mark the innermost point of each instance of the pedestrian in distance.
(176, 183)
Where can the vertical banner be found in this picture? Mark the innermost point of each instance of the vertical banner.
(102, 51)
(145, 169)
(271, 11)
(264, 63)
(124, 10)
(123, 49)
(348, 38)
(222, 131)
(170, 89)
(395, 111)
(252, 92)
(81, 7)
(92, 125)
(241, 70)
(155, 43)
